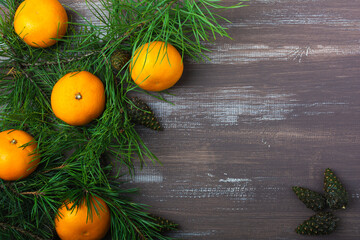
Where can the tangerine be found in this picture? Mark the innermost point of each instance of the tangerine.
(78, 98)
(39, 22)
(156, 66)
(71, 224)
(18, 158)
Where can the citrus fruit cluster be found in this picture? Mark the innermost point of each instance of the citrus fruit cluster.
(77, 98)
(155, 66)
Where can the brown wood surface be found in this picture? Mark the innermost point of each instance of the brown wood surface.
(276, 106)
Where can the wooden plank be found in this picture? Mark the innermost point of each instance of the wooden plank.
(276, 106)
(231, 154)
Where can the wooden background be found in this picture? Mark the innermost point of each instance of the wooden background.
(276, 106)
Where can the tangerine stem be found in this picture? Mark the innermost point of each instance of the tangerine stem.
(13, 141)
(78, 96)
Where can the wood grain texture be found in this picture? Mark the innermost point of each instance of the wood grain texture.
(276, 106)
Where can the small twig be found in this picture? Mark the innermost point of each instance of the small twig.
(21, 230)
(62, 61)
(36, 193)
(55, 168)
(12, 71)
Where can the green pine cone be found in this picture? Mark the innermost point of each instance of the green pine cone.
(165, 225)
(142, 114)
(335, 193)
(321, 223)
(119, 58)
(313, 200)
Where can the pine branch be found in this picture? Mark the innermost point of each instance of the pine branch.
(139, 233)
(7, 185)
(21, 67)
(7, 226)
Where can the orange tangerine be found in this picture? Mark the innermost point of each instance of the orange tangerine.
(156, 66)
(38, 22)
(18, 158)
(78, 98)
(77, 224)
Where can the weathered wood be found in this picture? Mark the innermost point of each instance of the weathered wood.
(276, 106)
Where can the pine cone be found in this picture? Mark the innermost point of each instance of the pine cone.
(165, 224)
(319, 224)
(335, 192)
(119, 58)
(142, 114)
(313, 200)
